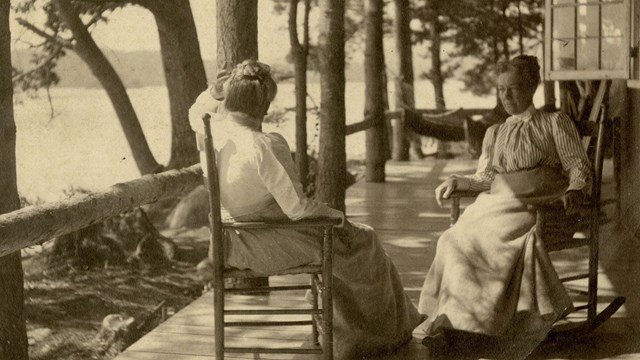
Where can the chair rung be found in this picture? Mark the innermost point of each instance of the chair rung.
(581, 307)
(268, 323)
(267, 289)
(574, 277)
(304, 269)
(569, 244)
(272, 350)
(274, 312)
(579, 292)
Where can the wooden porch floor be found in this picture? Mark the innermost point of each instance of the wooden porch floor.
(408, 221)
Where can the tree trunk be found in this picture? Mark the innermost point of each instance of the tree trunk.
(437, 80)
(505, 39)
(436, 63)
(237, 40)
(404, 81)
(13, 333)
(237, 32)
(184, 73)
(87, 49)
(332, 157)
(300, 54)
(520, 31)
(374, 91)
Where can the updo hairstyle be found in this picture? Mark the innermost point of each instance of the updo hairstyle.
(250, 89)
(525, 65)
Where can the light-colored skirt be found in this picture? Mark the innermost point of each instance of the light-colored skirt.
(372, 314)
(491, 274)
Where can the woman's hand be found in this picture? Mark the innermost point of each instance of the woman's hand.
(572, 200)
(445, 189)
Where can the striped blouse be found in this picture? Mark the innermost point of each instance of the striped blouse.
(528, 140)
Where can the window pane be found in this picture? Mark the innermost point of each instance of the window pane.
(613, 56)
(564, 22)
(564, 54)
(614, 18)
(587, 54)
(588, 23)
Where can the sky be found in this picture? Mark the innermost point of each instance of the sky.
(133, 28)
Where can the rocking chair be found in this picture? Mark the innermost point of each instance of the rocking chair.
(559, 231)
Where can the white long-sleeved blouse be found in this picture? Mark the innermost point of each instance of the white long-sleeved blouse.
(528, 140)
(255, 169)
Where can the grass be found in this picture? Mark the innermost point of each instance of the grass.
(65, 306)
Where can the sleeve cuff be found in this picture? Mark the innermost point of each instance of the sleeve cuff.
(462, 183)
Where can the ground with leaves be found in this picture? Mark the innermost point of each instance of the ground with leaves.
(65, 305)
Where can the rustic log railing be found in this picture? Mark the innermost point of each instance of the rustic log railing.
(35, 224)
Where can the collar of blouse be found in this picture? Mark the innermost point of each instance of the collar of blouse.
(523, 116)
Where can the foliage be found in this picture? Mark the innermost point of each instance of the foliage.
(353, 20)
(486, 31)
(55, 38)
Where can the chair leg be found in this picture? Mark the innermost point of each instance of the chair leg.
(327, 294)
(314, 318)
(327, 319)
(218, 306)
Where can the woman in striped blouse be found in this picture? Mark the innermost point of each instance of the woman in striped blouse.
(491, 281)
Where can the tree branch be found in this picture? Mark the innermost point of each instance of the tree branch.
(293, 27)
(305, 28)
(46, 61)
(94, 19)
(60, 41)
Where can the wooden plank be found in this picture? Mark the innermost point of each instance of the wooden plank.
(408, 225)
(202, 345)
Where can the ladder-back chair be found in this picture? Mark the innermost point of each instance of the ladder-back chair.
(559, 231)
(321, 319)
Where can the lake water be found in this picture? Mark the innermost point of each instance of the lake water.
(83, 144)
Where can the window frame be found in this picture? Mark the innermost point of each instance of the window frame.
(588, 74)
(634, 70)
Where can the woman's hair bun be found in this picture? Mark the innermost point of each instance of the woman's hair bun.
(252, 70)
(526, 65)
(527, 60)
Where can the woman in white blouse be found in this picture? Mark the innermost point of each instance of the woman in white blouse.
(372, 314)
(491, 279)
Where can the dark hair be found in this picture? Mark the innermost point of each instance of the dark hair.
(250, 89)
(526, 65)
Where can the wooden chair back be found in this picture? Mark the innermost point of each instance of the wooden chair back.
(321, 318)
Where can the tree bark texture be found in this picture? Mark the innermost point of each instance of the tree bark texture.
(237, 29)
(332, 156)
(300, 52)
(35, 224)
(404, 82)
(374, 91)
(184, 73)
(13, 333)
(87, 49)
